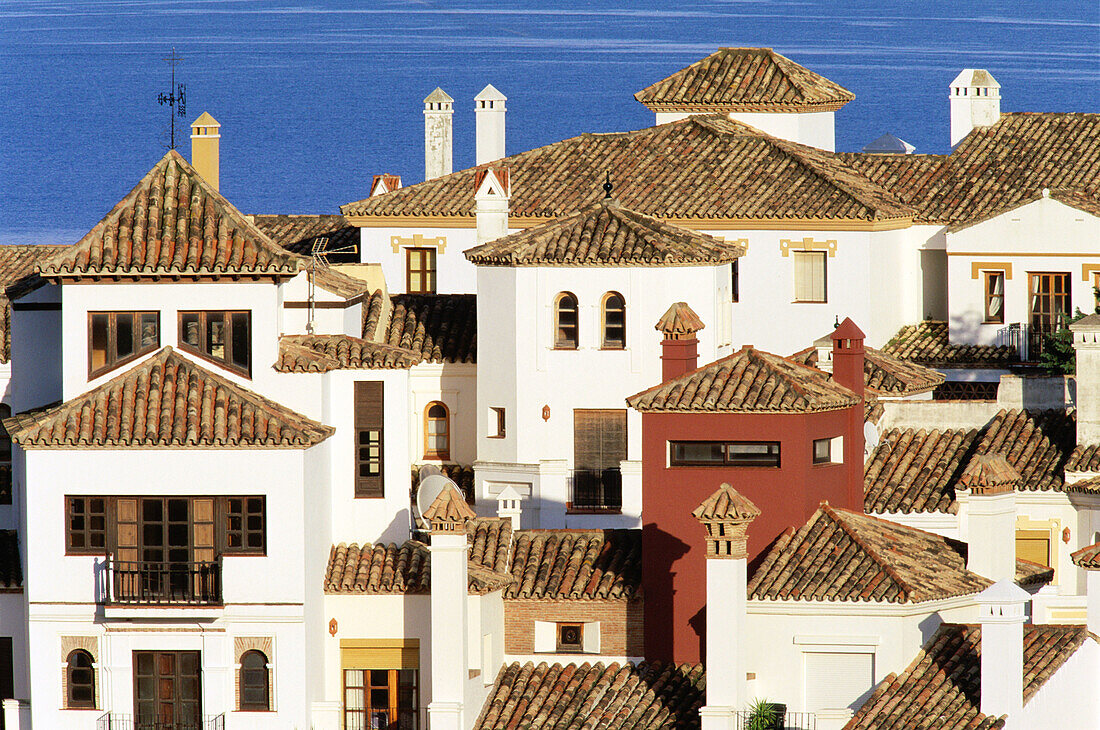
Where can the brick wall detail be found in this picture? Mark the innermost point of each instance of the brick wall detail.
(620, 623)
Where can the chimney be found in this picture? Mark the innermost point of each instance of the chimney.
(205, 138)
(1086, 341)
(848, 371)
(438, 114)
(991, 517)
(1088, 559)
(448, 516)
(509, 507)
(824, 350)
(1002, 617)
(975, 102)
(680, 348)
(726, 516)
(491, 191)
(384, 183)
(489, 111)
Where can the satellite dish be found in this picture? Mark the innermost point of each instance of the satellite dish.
(427, 470)
(430, 488)
(870, 438)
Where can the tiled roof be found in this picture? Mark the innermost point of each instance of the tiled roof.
(914, 470)
(576, 564)
(697, 168)
(17, 264)
(989, 474)
(841, 555)
(322, 353)
(448, 508)
(437, 327)
(1088, 557)
(167, 401)
(941, 689)
(995, 168)
(1085, 457)
(297, 233)
(726, 504)
(460, 474)
(605, 234)
(173, 224)
(885, 374)
(746, 80)
(647, 696)
(747, 381)
(927, 342)
(1085, 486)
(11, 569)
(679, 321)
(339, 283)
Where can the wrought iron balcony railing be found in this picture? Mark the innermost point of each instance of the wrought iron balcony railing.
(146, 583)
(117, 721)
(386, 719)
(597, 489)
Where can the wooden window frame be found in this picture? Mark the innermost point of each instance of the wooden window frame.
(227, 321)
(1067, 295)
(112, 359)
(560, 342)
(370, 486)
(988, 297)
(427, 272)
(605, 342)
(569, 648)
(87, 531)
(245, 532)
(429, 451)
(727, 461)
(823, 256)
(498, 422)
(361, 716)
(827, 458)
(1096, 290)
(71, 703)
(5, 457)
(735, 280)
(264, 706)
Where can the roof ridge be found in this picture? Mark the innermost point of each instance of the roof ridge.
(834, 513)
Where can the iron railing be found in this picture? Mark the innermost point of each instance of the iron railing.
(386, 719)
(966, 390)
(783, 720)
(164, 584)
(1015, 335)
(597, 489)
(117, 721)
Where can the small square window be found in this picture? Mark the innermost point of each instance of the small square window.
(570, 637)
(822, 449)
(496, 423)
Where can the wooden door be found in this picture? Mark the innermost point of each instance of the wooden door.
(1050, 300)
(166, 547)
(167, 690)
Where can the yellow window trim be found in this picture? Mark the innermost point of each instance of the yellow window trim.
(439, 243)
(979, 266)
(379, 653)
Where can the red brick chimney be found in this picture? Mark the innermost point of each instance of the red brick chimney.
(848, 371)
(680, 348)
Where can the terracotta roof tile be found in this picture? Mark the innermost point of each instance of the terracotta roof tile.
(1088, 202)
(11, 568)
(914, 470)
(1085, 457)
(339, 283)
(166, 401)
(1085, 486)
(744, 79)
(747, 381)
(437, 327)
(173, 223)
(448, 508)
(576, 564)
(297, 233)
(17, 265)
(322, 353)
(885, 374)
(460, 474)
(647, 696)
(927, 343)
(941, 689)
(989, 474)
(605, 234)
(726, 504)
(698, 168)
(1088, 557)
(679, 321)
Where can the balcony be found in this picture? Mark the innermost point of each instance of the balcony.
(162, 584)
(596, 490)
(781, 720)
(389, 718)
(116, 721)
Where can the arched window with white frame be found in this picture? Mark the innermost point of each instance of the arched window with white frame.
(437, 431)
(566, 327)
(613, 318)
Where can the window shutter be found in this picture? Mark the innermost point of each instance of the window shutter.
(546, 636)
(612, 438)
(599, 438)
(837, 680)
(127, 536)
(202, 509)
(369, 463)
(591, 637)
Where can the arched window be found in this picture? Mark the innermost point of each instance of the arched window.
(614, 321)
(437, 431)
(254, 690)
(565, 321)
(80, 679)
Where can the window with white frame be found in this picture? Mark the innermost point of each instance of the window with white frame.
(810, 276)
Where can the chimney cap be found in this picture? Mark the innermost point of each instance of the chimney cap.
(1088, 323)
(847, 331)
(975, 77)
(449, 512)
(205, 120)
(439, 95)
(1003, 593)
(989, 474)
(498, 173)
(679, 322)
(490, 93)
(726, 505)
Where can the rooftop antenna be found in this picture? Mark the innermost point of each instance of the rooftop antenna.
(175, 99)
(318, 259)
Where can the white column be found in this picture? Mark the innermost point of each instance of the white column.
(1092, 589)
(1002, 619)
(438, 143)
(17, 714)
(726, 604)
(1086, 342)
(991, 535)
(449, 645)
(491, 205)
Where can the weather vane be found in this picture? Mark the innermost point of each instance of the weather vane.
(176, 98)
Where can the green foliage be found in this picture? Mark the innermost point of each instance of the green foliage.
(763, 715)
(1058, 357)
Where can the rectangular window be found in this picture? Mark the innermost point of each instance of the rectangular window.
(420, 270)
(809, 276)
(599, 446)
(496, 423)
(245, 525)
(368, 439)
(570, 637)
(822, 451)
(1033, 545)
(87, 526)
(222, 336)
(115, 338)
(735, 280)
(836, 680)
(381, 698)
(718, 453)
(994, 297)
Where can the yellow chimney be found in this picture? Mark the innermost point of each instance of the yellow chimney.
(205, 136)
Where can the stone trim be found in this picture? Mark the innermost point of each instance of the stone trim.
(69, 644)
(265, 645)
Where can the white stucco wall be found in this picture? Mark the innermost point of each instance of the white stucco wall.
(1068, 698)
(454, 274)
(816, 129)
(36, 349)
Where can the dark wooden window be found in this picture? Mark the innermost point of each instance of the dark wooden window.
(5, 457)
(381, 698)
(810, 276)
(599, 445)
(369, 413)
(566, 335)
(167, 689)
(823, 451)
(497, 423)
(570, 637)
(420, 270)
(994, 297)
(115, 338)
(222, 336)
(80, 678)
(437, 431)
(720, 453)
(254, 684)
(86, 519)
(735, 280)
(245, 525)
(614, 321)
(7, 669)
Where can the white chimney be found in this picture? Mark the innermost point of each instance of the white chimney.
(492, 188)
(1086, 342)
(975, 102)
(489, 111)
(1088, 560)
(509, 507)
(991, 517)
(824, 348)
(448, 516)
(1002, 616)
(438, 114)
(726, 516)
